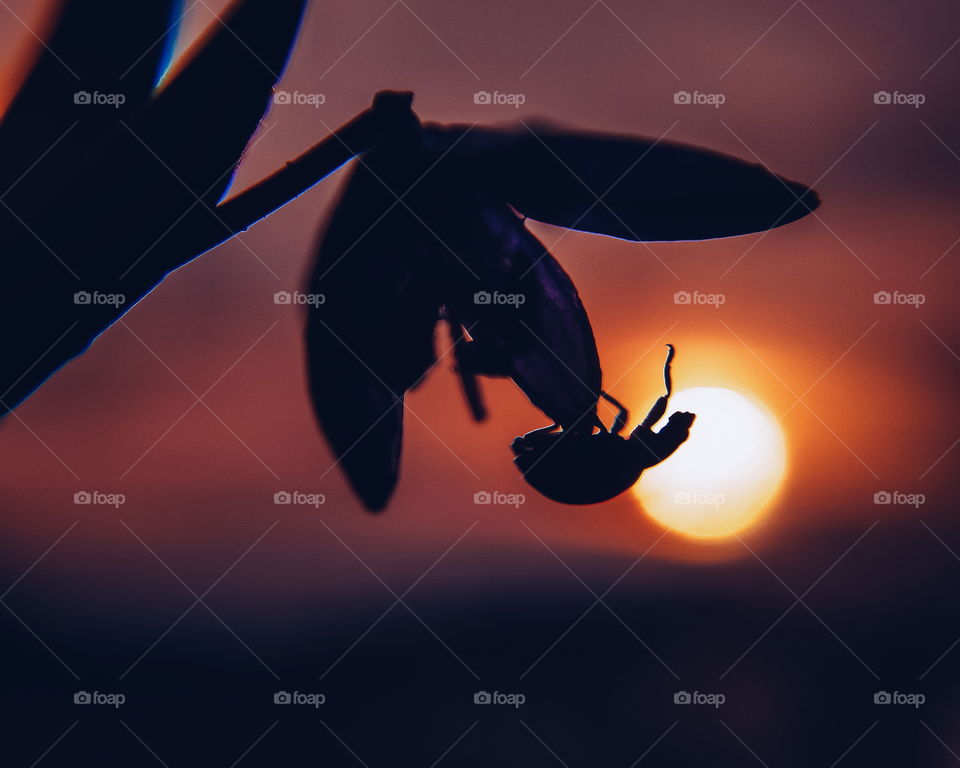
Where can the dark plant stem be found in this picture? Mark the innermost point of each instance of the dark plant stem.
(390, 110)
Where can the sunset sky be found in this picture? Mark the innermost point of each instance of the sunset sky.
(856, 385)
(864, 393)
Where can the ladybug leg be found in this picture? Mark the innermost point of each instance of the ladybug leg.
(540, 432)
(622, 413)
(659, 408)
(533, 440)
(671, 436)
(660, 445)
(654, 415)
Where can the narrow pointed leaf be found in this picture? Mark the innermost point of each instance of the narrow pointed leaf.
(99, 50)
(203, 118)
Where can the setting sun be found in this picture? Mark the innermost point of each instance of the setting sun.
(723, 478)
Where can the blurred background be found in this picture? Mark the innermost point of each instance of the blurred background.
(197, 412)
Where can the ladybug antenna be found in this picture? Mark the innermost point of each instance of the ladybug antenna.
(667, 382)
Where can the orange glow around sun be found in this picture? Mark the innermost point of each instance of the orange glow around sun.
(722, 480)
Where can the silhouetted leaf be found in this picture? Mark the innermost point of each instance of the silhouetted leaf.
(631, 188)
(110, 196)
(372, 337)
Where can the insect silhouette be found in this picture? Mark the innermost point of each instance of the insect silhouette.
(586, 467)
(430, 228)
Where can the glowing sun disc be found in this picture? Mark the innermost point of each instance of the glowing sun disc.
(724, 477)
